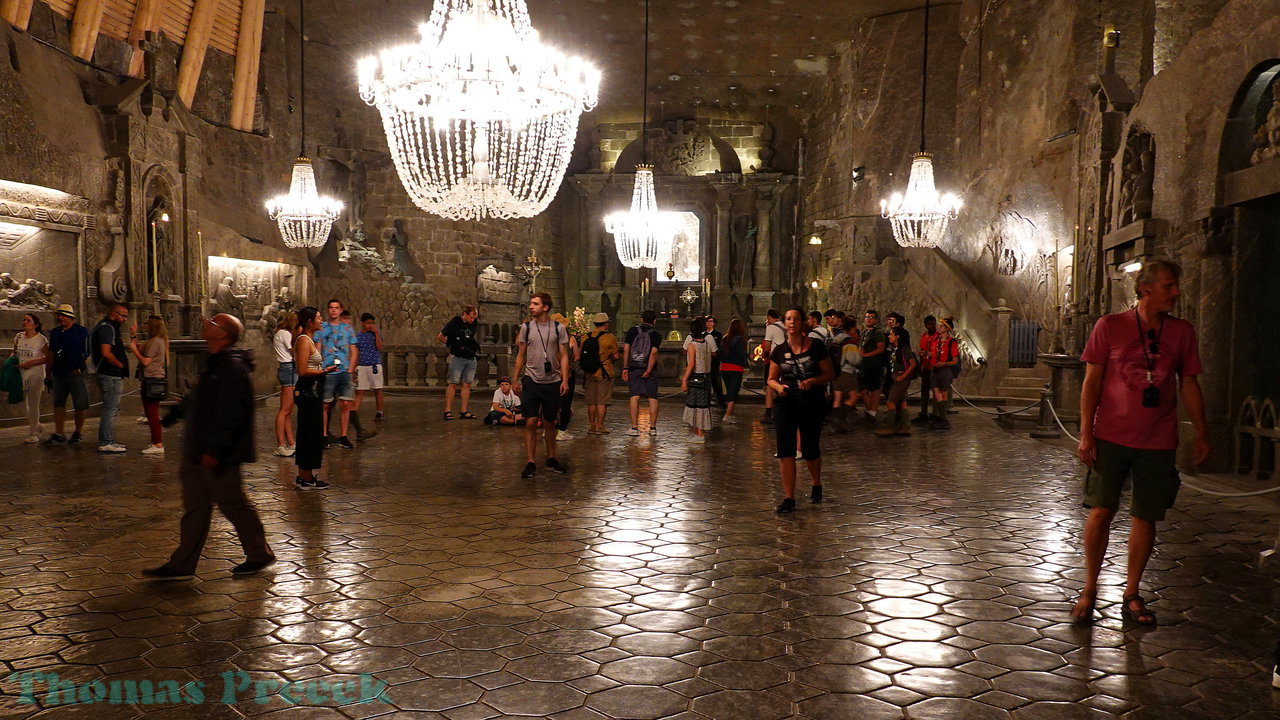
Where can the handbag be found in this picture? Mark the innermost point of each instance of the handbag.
(155, 389)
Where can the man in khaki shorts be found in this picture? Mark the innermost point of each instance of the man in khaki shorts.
(599, 351)
(1140, 363)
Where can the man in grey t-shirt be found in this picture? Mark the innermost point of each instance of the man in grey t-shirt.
(542, 371)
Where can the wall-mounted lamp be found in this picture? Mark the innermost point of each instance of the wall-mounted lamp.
(1132, 267)
(815, 239)
(164, 217)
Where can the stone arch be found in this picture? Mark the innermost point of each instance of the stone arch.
(682, 147)
(1253, 107)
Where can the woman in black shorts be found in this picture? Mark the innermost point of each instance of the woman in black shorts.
(799, 371)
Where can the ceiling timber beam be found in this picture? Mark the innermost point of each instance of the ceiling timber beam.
(146, 18)
(244, 90)
(85, 24)
(193, 50)
(16, 12)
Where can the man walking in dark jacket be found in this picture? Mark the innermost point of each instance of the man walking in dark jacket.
(217, 440)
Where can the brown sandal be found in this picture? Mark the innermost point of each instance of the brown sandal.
(1141, 615)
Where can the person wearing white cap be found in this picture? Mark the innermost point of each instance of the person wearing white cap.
(599, 351)
(68, 345)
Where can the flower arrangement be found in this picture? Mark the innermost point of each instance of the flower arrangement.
(579, 326)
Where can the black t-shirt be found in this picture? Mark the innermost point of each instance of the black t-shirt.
(796, 367)
(108, 333)
(461, 338)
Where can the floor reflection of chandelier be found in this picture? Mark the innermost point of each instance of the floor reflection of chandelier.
(480, 116)
(304, 216)
(921, 216)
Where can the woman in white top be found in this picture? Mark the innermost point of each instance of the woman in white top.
(287, 374)
(32, 348)
(699, 347)
(153, 357)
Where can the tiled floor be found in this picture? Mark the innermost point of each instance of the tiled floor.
(653, 581)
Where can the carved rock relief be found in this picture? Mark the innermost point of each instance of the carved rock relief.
(1266, 137)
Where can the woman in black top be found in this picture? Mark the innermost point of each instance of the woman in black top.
(902, 369)
(799, 371)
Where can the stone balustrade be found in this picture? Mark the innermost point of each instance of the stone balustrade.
(423, 366)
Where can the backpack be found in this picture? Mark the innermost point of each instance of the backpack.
(638, 354)
(835, 346)
(92, 351)
(590, 360)
(959, 358)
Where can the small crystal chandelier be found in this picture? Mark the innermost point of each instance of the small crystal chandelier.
(921, 216)
(480, 116)
(642, 235)
(305, 217)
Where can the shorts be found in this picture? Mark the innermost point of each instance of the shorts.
(73, 385)
(871, 376)
(940, 378)
(287, 374)
(898, 393)
(462, 371)
(371, 377)
(1155, 480)
(540, 399)
(640, 386)
(803, 415)
(598, 390)
(338, 385)
(846, 382)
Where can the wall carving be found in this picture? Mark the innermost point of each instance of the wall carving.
(1137, 178)
(253, 290)
(30, 294)
(1266, 137)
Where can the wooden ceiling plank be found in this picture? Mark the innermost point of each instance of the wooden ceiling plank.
(17, 12)
(194, 48)
(244, 91)
(85, 24)
(146, 18)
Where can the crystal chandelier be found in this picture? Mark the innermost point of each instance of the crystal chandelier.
(480, 116)
(304, 216)
(921, 216)
(642, 235)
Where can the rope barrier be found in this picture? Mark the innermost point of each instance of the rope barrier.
(1184, 473)
(989, 412)
(50, 413)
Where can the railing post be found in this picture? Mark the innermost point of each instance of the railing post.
(1046, 428)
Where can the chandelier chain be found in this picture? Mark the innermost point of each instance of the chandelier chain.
(924, 73)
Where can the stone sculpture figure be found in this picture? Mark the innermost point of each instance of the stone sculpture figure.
(31, 293)
(1137, 182)
(743, 235)
(398, 244)
(226, 300)
(1266, 138)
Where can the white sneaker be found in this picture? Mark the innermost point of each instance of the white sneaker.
(633, 432)
(153, 450)
(564, 435)
(293, 450)
(141, 420)
(111, 448)
(33, 439)
(653, 430)
(282, 451)
(697, 439)
(729, 419)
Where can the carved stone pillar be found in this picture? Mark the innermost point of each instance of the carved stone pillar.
(723, 259)
(764, 235)
(592, 233)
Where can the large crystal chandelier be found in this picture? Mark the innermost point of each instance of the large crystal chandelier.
(921, 216)
(642, 235)
(304, 216)
(480, 115)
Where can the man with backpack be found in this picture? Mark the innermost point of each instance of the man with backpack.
(106, 347)
(640, 353)
(599, 351)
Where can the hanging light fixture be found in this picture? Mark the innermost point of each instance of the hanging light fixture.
(642, 235)
(305, 217)
(921, 216)
(480, 115)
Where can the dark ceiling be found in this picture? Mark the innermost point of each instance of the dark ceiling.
(735, 56)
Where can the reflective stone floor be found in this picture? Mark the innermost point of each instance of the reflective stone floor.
(653, 581)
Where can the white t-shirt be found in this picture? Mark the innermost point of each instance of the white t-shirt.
(774, 334)
(30, 348)
(506, 401)
(282, 341)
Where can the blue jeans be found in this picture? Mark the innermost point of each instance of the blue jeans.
(111, 389)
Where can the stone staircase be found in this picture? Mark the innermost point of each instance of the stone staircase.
(1022, 385)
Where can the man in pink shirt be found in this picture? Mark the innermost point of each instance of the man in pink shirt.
(1139, 363)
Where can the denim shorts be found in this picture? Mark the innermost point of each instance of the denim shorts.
(338, 385)
(287, 374)
(462, 371)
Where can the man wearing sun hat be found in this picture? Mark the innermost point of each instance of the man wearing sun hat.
(68, 347)
(599, 351)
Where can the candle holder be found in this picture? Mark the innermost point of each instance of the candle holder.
(531, 269)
